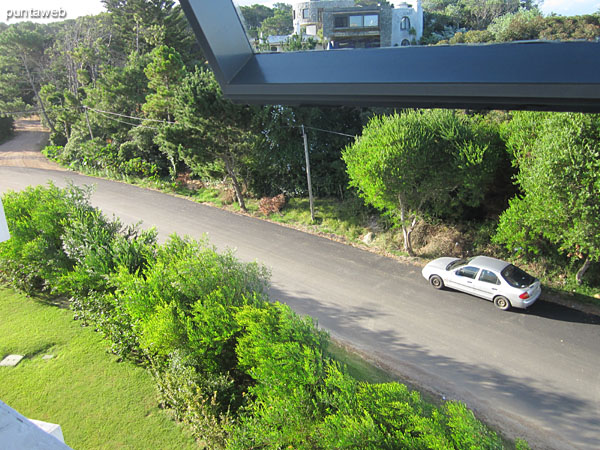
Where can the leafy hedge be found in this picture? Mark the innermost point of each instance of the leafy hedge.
(95, 156)
(241, 371)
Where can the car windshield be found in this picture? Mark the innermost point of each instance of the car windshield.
(457, 263)
(517, 277)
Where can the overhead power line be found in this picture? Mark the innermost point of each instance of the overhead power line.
(8, 113)
(329, 131)
(122, 121)
(128, 117)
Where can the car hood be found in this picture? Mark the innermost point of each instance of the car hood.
(441, 263)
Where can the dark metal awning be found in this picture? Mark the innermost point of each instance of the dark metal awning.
(559, 76)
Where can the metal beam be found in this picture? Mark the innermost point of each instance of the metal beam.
(555, 76)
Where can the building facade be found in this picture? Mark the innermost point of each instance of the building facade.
(341, 24)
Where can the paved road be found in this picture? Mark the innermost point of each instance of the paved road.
(535, 374)
(23, 149)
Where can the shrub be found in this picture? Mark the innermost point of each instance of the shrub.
(98, 247)
(240, 371)
(193, 400)
(96, 155)
(53, 152)
(465, 431)
(268, 205)
(283, 353)
(191, 291)
(34, 258)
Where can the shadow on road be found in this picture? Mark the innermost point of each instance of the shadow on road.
(554, 311)
(574, 420)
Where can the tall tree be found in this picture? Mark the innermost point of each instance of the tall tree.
(165, 71)
(141, 25)
(421, 162)
(210, 129)
(558, 157)
(254, 16)
(120, 90)
(278, 165)
(24, 44)
(280, 24)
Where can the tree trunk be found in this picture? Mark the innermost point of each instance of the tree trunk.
(581, 272)
(236, 185)
(37, 94)
(87, 119)
(407, 229)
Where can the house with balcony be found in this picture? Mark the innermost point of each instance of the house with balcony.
(341, 24)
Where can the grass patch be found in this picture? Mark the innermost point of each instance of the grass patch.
(357, 366)
(99, 402)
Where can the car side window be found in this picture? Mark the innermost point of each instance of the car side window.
(489, 277)
(469, 272)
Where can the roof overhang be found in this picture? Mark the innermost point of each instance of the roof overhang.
(559, 76)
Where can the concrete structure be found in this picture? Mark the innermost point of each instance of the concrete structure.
(19, 433)
(341, 24)
(4, 234)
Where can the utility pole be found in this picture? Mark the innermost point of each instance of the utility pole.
(310, 194)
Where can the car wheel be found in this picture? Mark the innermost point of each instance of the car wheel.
(436, 281)
(502, 303)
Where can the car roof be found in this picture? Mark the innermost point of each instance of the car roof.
(486, 262)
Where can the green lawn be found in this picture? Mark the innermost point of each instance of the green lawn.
(99, 402)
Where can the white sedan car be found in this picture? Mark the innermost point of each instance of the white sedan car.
(490, 278)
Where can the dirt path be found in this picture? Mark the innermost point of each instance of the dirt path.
(23, 150)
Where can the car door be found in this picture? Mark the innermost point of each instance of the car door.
(487, 285)
(463, 279)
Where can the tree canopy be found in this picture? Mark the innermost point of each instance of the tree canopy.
(421, 162)
(558, 158)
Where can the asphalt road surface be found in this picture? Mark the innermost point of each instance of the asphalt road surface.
(533, 374)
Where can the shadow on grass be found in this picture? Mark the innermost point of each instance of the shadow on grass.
(61, 302)
(40, 350)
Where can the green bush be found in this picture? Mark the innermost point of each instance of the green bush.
(34, 259)
(53, 152)
(186, 301)
(95, 155)
(193, 400)
(240, 371)
(283, 353)
(99, 246)
(515, 232)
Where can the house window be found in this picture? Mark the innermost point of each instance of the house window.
(371, 21)
(405, 43)
(405, 23)
(305, 13)
(356, 21)
(340, 22)
(320, 15)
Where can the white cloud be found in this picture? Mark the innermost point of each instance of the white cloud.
(570, 7)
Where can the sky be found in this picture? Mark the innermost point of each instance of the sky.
(70, 9)
(562, 7)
